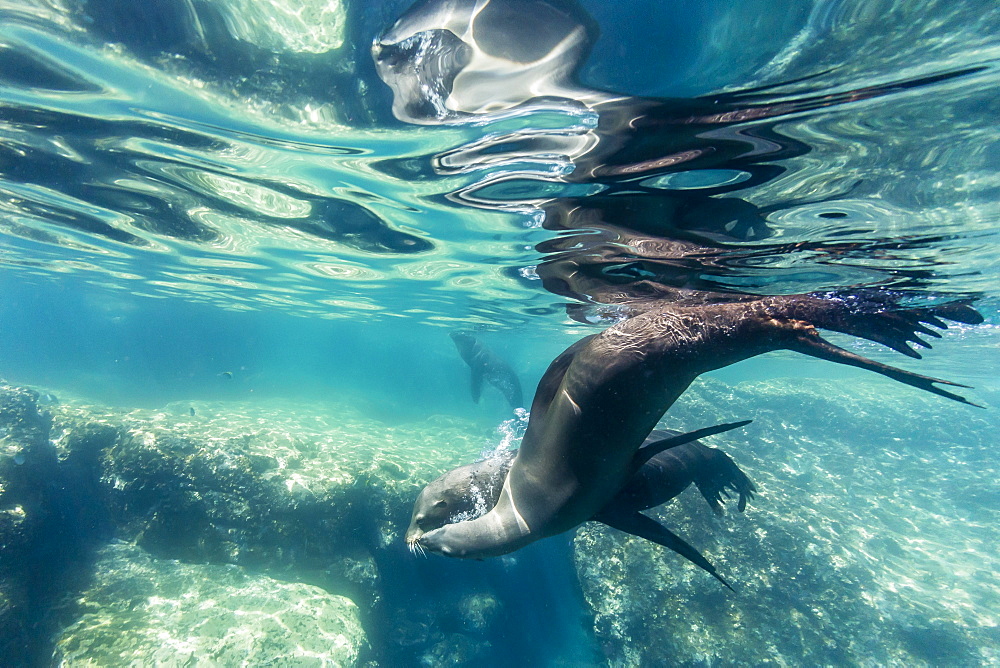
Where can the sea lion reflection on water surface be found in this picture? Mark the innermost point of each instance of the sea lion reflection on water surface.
(601, 397)
(459, 61)
(451, 60)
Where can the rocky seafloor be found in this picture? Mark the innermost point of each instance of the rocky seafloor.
(269, 533)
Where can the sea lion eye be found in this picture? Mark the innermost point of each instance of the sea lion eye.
(441, 504)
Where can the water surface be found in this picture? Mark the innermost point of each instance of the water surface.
(295, 204)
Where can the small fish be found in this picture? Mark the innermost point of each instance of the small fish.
(226, 374)
(191, 411)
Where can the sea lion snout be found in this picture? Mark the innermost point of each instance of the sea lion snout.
(430, 512)
(413, 534)
(432, 541)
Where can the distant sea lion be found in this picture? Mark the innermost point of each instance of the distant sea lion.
(601, 397)
(672, 462)
(486, 365)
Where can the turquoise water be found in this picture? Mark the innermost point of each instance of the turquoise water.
(212, 212)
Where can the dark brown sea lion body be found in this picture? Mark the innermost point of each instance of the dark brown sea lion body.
(600, 398)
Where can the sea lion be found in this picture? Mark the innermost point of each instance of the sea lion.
(485, 364)
(668, 463)
(599, 399)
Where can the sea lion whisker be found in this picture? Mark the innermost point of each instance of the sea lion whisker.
(416, 549)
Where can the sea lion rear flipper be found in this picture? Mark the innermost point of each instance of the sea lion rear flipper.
(879, 316)
(642, 526)
(506, 381)
(650, 450)
(717, 475)
(811, 343)
(477, 383)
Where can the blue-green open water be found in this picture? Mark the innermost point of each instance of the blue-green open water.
(212, 205)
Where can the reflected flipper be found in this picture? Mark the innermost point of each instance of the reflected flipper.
(640, 525)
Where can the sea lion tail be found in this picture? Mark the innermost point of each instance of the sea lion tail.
(476, 385)
(506, 381)
(811, 343)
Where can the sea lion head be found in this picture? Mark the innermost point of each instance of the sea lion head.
(437, 541)
(492, 535)
(437, 503)
(463, 493)
(464, 341)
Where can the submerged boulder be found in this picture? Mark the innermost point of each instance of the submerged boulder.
(312, 491)
(856, 551)
(316, 493)
(27, 468)
(143, 611)
(863, 545)
(50, 516)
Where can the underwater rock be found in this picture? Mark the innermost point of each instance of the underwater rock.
(315, 494)
(283, 490)
(857, 539)
(22, 425)
(143, 611)
(309, 493)
(50, 516)
(865, 546)
(478, 610)
(26, 462)
(457, 650)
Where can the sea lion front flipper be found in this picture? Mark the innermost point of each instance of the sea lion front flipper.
(650, 450)
(477, 382)
(646, 527)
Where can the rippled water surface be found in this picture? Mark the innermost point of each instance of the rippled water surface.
(298, 200)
